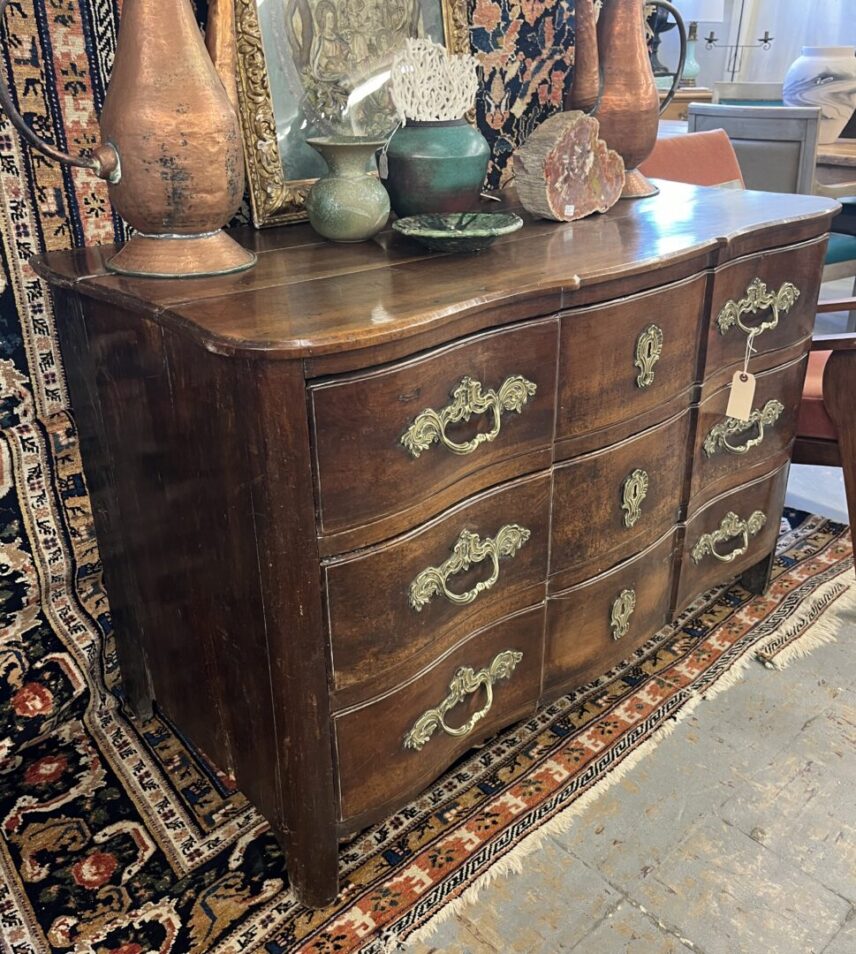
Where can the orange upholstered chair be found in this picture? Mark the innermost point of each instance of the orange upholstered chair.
(826, 427)
(703, 158)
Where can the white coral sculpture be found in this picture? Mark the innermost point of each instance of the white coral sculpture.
(430, 84)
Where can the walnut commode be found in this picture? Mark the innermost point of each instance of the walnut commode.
(361, 508)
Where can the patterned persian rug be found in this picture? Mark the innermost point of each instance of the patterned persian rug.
(119, 837)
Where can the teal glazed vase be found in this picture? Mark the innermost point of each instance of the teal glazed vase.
(436, 166)
(348, 203)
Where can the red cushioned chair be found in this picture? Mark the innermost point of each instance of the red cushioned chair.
(826, 427)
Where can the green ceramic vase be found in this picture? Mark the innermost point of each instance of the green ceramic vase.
(436, 167)
(348, 204)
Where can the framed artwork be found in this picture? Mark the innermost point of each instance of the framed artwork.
(295, 58)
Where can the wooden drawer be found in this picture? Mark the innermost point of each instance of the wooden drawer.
(391, 748)
(731, 534)
(729, 452)
(595, 625)
(405, 602)
(632, 495)
(776, 291)
(413, 438)
(631, 362)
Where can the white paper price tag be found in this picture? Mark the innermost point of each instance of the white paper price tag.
(742, 395)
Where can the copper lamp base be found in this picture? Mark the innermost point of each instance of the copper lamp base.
(637, 186)
(181, 256)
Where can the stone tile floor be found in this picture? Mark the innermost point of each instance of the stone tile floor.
(736, 835)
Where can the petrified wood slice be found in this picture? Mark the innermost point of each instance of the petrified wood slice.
(564, 172)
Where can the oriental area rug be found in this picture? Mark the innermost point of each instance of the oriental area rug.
(119, 838)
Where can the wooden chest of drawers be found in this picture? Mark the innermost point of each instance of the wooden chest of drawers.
(364, 506)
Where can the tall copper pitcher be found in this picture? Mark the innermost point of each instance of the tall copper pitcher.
(628, 106)
(171, 148)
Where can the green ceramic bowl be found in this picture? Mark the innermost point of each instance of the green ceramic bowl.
(458, 231)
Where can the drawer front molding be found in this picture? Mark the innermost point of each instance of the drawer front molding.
(468, 549)
(634, 490)
(718, 438)
(731, 526)
(758, 298)
(622, 611)
(465, 682)
(429, 427)
(649, 350)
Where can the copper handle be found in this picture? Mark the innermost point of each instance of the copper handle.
(104, 161)
(682, 30)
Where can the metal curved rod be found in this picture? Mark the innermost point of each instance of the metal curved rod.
(104, 165)
(682, 30)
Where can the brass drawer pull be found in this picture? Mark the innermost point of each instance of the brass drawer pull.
(732, 526)
(468, 549)
(622, 610)
(649, 348)
(757, 299)
(761, 418)
(429, 427)
(465, 682)
(634, 490)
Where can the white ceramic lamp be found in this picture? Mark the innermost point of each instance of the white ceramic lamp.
(708, 11)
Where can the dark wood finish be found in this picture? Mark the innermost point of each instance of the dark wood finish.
(580, 644)
(715, 473)
(368, 591)
(120, 577)
(358, 423)
(839, 397)
(766, 494)
(590, 533)
(839, 385)
(260, 521)
(801, 265)
(377, 772)
(597, 371)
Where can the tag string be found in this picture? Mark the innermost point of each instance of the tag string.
(750, 350)
(382, 161)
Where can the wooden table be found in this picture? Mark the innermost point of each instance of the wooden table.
(836, 162)
(677, 109)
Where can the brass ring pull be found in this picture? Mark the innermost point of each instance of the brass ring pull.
(762, 418)
(732, 526)
(429, 427)
(468, 549)
(757, 299)
(464, 683)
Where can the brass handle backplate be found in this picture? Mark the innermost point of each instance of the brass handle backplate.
(622, 610)
(732, 526)
(649, 348)
(634, 490)
(465, 682)
(429, 427)
(758, 298)
(468, 549)
(761, 418)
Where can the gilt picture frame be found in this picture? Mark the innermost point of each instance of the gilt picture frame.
(277, 194)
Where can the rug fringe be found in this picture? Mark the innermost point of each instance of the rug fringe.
(823, 619)
(561, 822)
(795, 641)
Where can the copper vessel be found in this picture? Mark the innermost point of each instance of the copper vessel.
(171, 146)
(585, 91)
(628, 106)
